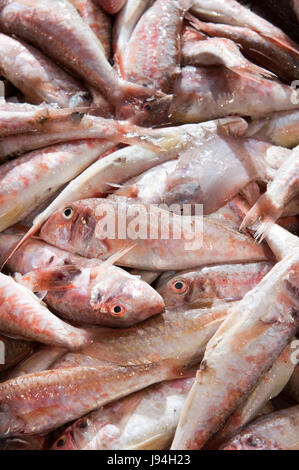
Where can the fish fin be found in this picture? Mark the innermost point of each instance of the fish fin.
(263, 229)
(235, 126)
(102, 269)
(50, 279)
(26, 237)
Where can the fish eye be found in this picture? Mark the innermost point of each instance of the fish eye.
(146, 107)
(117, 310)
(68, 213)
(179, 286)
(60, 443)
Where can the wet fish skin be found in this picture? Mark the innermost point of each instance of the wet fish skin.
(280, 192)
(97, 20)
(20, 118)
(94, 292)
(37, 77)
(258, 48)
(176, 336)
(220, 51)
(40, 402)
(209, 285)
(271, 385)
(145, 420)
(278, 128)
(231, 12)
(243, 349)
(111, 6)
(28, 181)
(125, 23)
(41, 359)
(157, 254)
(23, 316)
(197, 177)
(277, 431)
(204, 93)
(76, 48)
(152, 54)
(77, 389)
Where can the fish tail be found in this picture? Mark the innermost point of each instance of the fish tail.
(50, 279)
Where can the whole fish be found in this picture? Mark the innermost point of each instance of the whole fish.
(78, 126)
(272, 56)
(204, 93)
(243, 350)
(206, 286)
(176, 337)
(145, 420)
(76, 48)
(19, 118)
(111, 6)
(23, 316)
(13, 351)
(158, 246)
(100, 293)
(231, 12)
(277, 128)
(271, 385)
(152, 55)
(38, 77)
(40, 402)
(125, 23)
(282, 190)
(220, 51)
(97, 20)
(26, 182)
(277, 431)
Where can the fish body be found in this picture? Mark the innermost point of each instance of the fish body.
(204, 93)
(97, 20)
(152, 54)
(242, 351)
(26, 182)
(279, 129)
(280, 192)
(209, 285)
(97, 294)
(38, 77)
(111, 6)
(277, 431)
(145, 420)
(272, 56)
(198, 177)
(23, 316)
(75, 47)
(77, 228)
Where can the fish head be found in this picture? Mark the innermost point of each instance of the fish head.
(184, 288)
(123, 300)
(72, 224)
(152, 111)
(249, 441)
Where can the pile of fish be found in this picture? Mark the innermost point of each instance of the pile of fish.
(112, 340)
